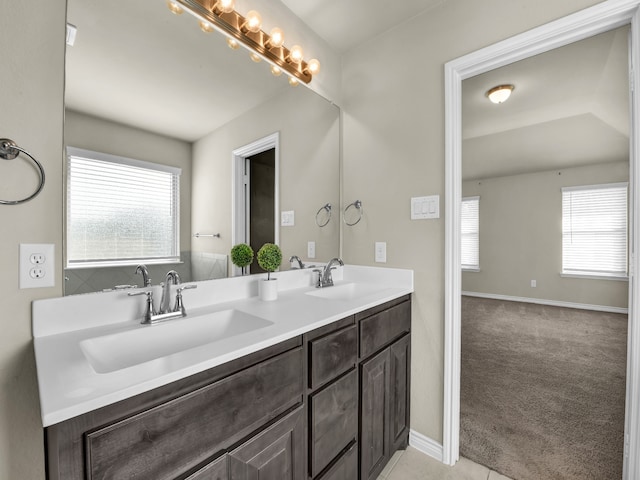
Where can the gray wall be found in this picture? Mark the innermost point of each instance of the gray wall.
(521, 237)
(393, 90)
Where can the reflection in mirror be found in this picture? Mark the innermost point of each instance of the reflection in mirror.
(566, 124)
(144, 84)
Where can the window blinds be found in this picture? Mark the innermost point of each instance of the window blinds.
(120, 210)
(594, 230)
(470, 233)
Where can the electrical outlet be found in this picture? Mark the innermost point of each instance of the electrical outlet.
(311, 249)
(534, 284)
(381, 252)
(37, 265)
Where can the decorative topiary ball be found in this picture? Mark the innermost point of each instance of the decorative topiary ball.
(241, 255)
(269, 258)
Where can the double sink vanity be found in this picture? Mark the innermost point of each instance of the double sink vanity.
(314, 385)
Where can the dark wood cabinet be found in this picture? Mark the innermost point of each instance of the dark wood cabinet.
(332, 404)
(275, 454)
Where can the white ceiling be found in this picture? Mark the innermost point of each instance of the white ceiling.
(137, 64)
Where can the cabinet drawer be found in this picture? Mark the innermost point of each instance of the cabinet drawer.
(332, 355)
(346, 468)
(382, 328)
(333, 421)
(216, 470)
(275, 454)
(168, 440)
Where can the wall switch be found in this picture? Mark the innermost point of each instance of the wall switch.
(37, 264)
(381, 252)
(287, 219)
(425, 207)
(533, 284)
(311, 249)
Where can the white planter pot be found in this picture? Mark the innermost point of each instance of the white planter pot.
(268, 289)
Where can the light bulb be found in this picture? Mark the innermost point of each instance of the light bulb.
(253, 21)
(206, 27)
(293, 82)
(276, 71)
(255, 57)
(232, 44)
(225, 6)
(313, 66)
(277, 38)
(174, 7)
(296, 54)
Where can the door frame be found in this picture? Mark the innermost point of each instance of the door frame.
(238, 198)
(602, 17)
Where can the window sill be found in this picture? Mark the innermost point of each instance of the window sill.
(596, 276)
(470, 269)
(124, 263)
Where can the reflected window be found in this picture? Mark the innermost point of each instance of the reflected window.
(120, 211)
(594, 230)
(470, 233)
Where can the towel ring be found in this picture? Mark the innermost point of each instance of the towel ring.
(358, 206)
(327, 209)
(9, 150)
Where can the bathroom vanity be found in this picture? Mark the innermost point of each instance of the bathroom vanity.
(324, 393)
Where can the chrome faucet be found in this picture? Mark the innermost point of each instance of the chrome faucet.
(324, 276)
(297, 259)
(172, 278)
(142, 269)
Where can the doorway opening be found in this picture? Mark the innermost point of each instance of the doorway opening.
(255, 195)
(600, 18)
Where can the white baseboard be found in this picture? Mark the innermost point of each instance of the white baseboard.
(552, 303)
(425, 445)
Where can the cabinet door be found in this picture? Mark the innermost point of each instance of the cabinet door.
(374, 431)
(400, 358)
(346, 468)
(275, 454)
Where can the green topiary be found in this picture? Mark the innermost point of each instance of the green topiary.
(269, 258)
(242, 255)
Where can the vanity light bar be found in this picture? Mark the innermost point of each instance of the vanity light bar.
(233, 25)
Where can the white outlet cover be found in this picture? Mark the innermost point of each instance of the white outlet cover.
(311, 249)
(287, 218)
(33, 274)
(381, 252)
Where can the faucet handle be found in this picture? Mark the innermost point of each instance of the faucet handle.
(179, 306)
(149, 310)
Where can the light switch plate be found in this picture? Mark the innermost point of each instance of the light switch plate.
(288, 218)
(423, 208)
(37, 265)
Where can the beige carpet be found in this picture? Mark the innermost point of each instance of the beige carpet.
(542, 390)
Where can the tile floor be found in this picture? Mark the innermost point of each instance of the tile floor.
(414, 465)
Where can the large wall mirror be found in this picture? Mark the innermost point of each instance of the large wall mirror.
(145, 84)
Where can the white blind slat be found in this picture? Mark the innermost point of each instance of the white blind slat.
(594, 230)
(120, 210)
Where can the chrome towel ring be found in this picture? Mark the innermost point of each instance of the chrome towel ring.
(358, 206)
(327, 214)
(8, 151)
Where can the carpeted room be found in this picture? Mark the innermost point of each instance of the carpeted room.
(544, 346)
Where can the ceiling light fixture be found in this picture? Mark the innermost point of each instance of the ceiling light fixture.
(247, 31)
(500, 94)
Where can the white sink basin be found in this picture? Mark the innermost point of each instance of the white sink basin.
(149, 342)
(346, 291)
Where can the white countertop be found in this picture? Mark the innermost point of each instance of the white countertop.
(69, 385)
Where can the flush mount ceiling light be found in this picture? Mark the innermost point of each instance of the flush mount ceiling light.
(247, 31)
(500, 93)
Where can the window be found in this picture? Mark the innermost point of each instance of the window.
(470, 233)
(594, 230)
(120, 211)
